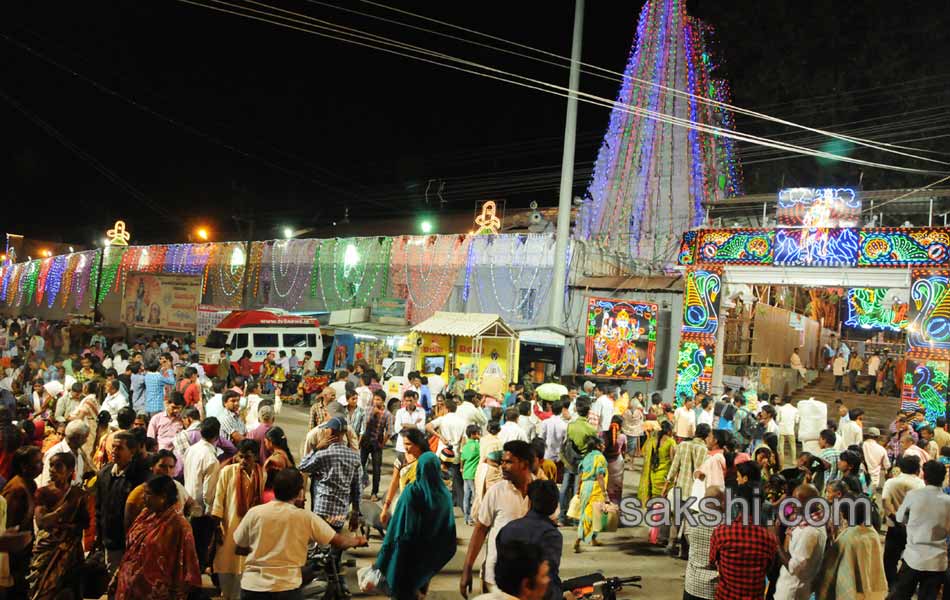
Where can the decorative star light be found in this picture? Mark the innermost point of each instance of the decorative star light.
(488, 222)
(118, 236)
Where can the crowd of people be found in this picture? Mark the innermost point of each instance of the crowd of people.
(125, 470)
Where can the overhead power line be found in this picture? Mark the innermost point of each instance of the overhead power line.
(399, 48)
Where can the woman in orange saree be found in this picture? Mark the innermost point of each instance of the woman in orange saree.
(160, 561)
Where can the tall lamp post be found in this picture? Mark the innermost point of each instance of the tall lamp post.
(559, 285)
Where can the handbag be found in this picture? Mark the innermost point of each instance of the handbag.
(574, 508)
(610, 518)
(94, 575)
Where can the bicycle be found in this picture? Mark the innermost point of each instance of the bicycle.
(597, 587)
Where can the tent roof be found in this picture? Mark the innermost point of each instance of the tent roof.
(463, 324)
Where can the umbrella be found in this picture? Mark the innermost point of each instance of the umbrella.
(550, 391)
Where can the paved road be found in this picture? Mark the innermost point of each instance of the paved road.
(624, 553)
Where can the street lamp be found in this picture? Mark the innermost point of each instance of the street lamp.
(202, 234)
(288, 232)
(426, 226)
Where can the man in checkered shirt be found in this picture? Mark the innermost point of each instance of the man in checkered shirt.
(334, 469)
(742, 551)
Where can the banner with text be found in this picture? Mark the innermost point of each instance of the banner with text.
(165, 302)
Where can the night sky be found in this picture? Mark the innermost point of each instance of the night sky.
(200, 115)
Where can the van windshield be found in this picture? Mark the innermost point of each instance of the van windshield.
(216, 339)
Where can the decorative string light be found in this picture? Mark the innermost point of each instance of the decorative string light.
(349, 285)
(515, 283)
(54, 279)
(437, 287)
(68, 275)
(231, 266)
(45, 265)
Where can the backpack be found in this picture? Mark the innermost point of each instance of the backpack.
(570, 456)
(749, 427)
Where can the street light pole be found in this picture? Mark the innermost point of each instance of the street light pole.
(559, 285)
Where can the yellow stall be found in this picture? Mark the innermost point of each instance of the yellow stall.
(480, 345)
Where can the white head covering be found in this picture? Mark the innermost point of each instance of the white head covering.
(53, 388)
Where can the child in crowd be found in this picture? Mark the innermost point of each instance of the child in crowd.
(471, 453)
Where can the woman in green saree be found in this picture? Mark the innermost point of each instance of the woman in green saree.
(657, 458)
(592, 475)
(420, 539)
(60, 518)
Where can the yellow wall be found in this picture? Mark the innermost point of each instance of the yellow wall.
(442, 345)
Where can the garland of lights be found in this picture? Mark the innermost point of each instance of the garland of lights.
(228, 271)
(54, 279)
(343, 273)
(296, 250)
(68, 275)
(437, 286)
(28, 287)
(45, 265)
(90, 260)
(255, 262)
(111, 263)
(514, 284)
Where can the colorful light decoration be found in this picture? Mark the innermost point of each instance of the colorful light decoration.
(694, 368)
(515, 283)
(866, 311)
(621, 339)
(925, 386)
(427, 271)
(118, 236)
(816, 247)
(54, 279)
(487, 222)
(701, 296)
(736, 246)
(818, 207)
(928, 334)
(630, 206)
(893, 247)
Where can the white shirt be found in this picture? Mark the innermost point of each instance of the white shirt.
(365, 398)
(215, 406)
(472, 414)
(201, 474)
(876, 457)
(451, 427)
(838, 366)
(278, 534)
(787, 419)
(851, 434)
(119, 365)
(340, 388)
(771, 427)
(896, 489)
(705, 416)
(554, 431)
(806, 550)
(685, 422)
(250, 417)
(926, 512)
(436, 385)
(604, 408)
(502, 504)
(511, 431)
(403, 417)
(874, 363)
(114, 403)
(61, 447)
(529, 426)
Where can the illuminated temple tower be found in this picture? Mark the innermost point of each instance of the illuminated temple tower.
(651, 177)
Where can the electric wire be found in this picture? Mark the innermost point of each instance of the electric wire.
(554, 89)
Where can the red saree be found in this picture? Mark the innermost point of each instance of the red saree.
(160, 562)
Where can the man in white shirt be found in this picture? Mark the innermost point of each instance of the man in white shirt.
(411, 417)
(874, 363)
(801, 563)
(796, 363)
(604, 409)
(451, 431)
(215, 405)
(504, 502)
(838, 368)
(909, 447)
(114, 401)
(275, 536)
(875, 455)
(926, 514)
(201, 469)
(436, 383)
(76, 434)
(706, 414)
(554, 429)
(511, 430)
(684, 421)
(787, 420)
(470, 412)
(527, 421)
(852, 431)
(339, 386)
(892, 497)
